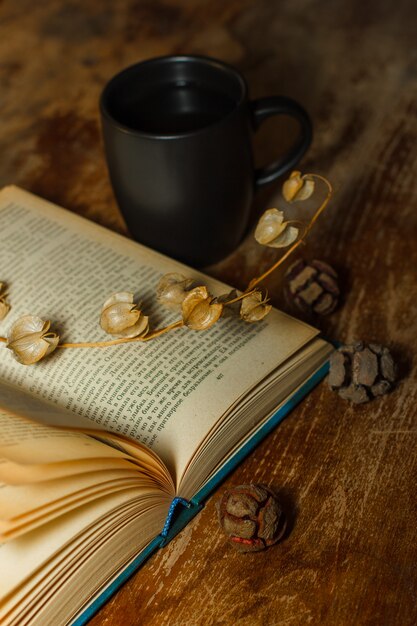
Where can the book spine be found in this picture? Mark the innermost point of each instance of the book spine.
(180, 513)
(170, 517)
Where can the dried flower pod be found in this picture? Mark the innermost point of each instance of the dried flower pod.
(273, 232)
(251, 517)
(172, 289)
(298, 187)
(255, 307)
(199, 309)
(312, 286)
(4, 305)
(30, 340)
(362, 372)
(121, 317)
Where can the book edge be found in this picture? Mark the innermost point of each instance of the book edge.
(197, 502)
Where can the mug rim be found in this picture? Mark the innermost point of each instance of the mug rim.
(187, 58)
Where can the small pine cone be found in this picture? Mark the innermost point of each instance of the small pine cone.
(360, 372)
(312, 286)
(251, 517)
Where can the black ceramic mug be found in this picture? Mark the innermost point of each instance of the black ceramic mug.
(177, 133)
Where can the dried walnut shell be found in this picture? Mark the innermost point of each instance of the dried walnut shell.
(251, 517)
(312, 286)
(360, 372)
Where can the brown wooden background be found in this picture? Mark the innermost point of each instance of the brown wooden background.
(346, 473)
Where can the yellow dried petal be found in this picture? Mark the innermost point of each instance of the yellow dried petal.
(27, 350)
(297, 187)
(255, 307)
(273, 231)
(30, 340)
(4, 308)
(172, 289)
(287, 237)
(121, 317)
(4, 305)
(120, 296)
(199, 312)
(27, 325)
(270, 226)
(140, 329)
(193, 297)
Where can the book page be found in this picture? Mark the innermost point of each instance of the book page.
(16, 502)
(167, 393)
(92, 556)
(16, 474)
(25, 555)
(22, 462)
(28, 405)
(10, 529)
(17, 436)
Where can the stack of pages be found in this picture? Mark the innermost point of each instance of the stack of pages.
(97, 443)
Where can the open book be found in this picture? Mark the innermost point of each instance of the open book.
(105, 453)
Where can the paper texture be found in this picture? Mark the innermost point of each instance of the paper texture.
(166, 394)
(192, 398)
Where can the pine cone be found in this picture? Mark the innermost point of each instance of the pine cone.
(362, 372)
(251, 517)
(312, 286)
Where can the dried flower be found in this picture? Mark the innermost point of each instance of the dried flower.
(172, 289)
(199, 310)
(4, 306)
(121, 317)
(255, 307)
(251, 517)
(30, 340)
(272, 231)
(298, 187)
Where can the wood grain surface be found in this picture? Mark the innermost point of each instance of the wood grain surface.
(346, 474)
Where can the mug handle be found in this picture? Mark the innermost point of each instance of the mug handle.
(279, 105)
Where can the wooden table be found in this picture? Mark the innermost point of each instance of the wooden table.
(346, 473)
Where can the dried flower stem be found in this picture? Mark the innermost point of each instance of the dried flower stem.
(256, 281)
(116, 342)
(245, 294)
(199, 309)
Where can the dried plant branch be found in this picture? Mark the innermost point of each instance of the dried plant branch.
(256, 281)
(243, 295)
(116, 342)
(31, 339)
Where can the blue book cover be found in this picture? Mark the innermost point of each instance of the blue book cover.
(182, 512)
